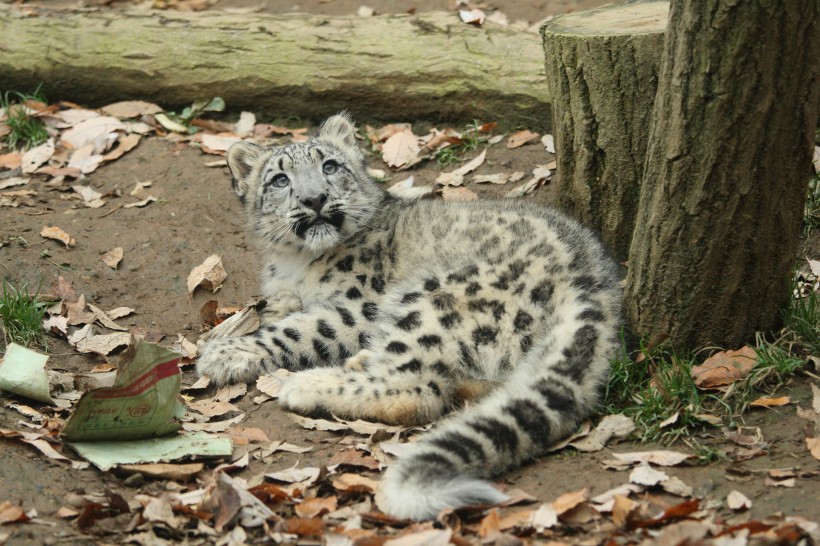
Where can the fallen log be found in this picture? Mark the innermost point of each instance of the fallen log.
(429, 66)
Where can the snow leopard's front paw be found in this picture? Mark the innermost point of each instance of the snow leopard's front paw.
(232, 360)
(318, 393)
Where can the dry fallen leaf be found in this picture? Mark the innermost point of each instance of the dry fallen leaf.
(568, 501)
(310, 508)
(622, 507)
(771, 402)
(355, 482)
(544, 517)
(643, 474)
(814, 447)
(456, 177)
(306, 476)
(458, 194)
(36, 156)
(430, 537)
(472, 16)
(57, 234)
(165, 471)
(611, 426)
(401, 149)
(271, 383)
(724, 368)
(112, 257)
(738, 501)
(520, 138)
(11, 513)
(125, 144)
(210, 275)
(91, 198)
(658, 457)
(131, 109)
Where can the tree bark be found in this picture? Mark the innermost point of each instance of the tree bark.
(429, 66)
(729, 158)
(601, 68)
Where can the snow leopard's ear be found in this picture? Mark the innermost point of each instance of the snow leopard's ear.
(242, 158)
(339, 129)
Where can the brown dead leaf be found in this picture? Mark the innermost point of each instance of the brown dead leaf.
(210, 275)
(85, 341)
(11, 160)
(65, 512)
(216, 426)
(131, 109)
(429, 537)
(355, 483)
(91, 131)
(212, 407)
(269, 493)
(671, 514)
(33, 158)
(304, 526)
(313, 507)
(738, 501)
(58, 235)
(77, 314)
(568, 501)
(456, 177)
(305, 476)
(516, 140)
(218, 144)
(813, 444)
(622, 507)
(144, 202)
(14, 181)
(354, 457)
(771, 402)
(401, 150)
(165, 471)
(271, 383)
(658, 457)
(11, 513)
(384, 133)
(458, 194)
(245, 435)
(724, 368)
(490, 526)
(125, 144)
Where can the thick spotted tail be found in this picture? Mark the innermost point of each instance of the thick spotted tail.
(543, 401)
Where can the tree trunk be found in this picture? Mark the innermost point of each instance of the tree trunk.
(429, 66)
(601, 68)
(729, 158)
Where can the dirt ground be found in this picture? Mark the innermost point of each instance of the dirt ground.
(196, 215)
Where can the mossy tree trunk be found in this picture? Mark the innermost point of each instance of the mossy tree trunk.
(601, 68)
(729, 157)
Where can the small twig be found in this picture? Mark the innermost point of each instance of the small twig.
(110, 211)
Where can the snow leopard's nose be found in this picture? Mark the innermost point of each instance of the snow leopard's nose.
(316, 202)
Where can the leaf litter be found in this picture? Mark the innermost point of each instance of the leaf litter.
(201, 505)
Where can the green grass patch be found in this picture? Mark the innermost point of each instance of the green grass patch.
(801, 320)
(22, 316)
(471, 138)
(811, 212)
(25, 129)
(653, 385)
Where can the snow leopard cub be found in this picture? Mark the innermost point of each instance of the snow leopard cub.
(399, 310)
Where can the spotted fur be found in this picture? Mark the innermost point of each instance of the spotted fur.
(401, 310)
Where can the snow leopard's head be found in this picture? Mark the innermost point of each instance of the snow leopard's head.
(312, 195)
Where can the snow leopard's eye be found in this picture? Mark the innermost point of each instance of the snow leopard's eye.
(330, 167)
(280, 180)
